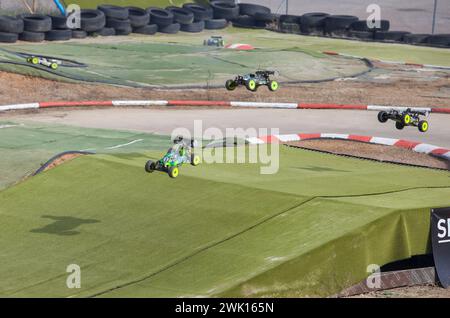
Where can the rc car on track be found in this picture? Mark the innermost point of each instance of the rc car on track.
(50, 63)
(253, 81)
(180, 153)
(405, 118)
(214, 40)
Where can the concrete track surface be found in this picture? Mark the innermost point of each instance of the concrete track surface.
(164, 121)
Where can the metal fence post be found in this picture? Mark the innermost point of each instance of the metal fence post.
(433, 28)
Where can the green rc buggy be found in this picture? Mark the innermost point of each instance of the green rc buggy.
(180, 153)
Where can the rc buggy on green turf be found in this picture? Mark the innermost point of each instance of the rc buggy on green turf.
(405, 118)
(38, 60)
(180, 153)
(253, 81)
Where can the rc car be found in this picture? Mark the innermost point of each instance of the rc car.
(405, 118)
(50, 63)
(180, 153)
(214, 41)
(253, 81)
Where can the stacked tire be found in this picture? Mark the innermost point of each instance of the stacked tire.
(338, 25)
(35, 27)
(313, 23)
(60, 31)
(92, 21)
(117, 21)
(10, 28)
(289, 23)
(205, 14)
(185, 18)
(164, 19)
(140, 21)
(253, 16)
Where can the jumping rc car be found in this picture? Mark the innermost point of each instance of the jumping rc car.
(253, 81)
(405, 118)
(50, 63)
(180, 153)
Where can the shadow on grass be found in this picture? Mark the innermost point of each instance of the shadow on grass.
(63, 225)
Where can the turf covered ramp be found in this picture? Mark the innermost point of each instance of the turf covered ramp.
(204, 234)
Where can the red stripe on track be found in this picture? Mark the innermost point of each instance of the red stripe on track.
(406, 144)
(441, 110)
(330, 53)
(75, 104)
(269, 139)
(309, 136)
(332, 106)
(198, 103)
(440, 151)
(359, 138)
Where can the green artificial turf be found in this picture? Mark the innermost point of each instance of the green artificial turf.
(217, 230)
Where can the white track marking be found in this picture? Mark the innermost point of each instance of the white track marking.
(127, 144)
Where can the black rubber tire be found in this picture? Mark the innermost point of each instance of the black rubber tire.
(244, 21)
(160, 17)
(92, 20)
(59, 22)
(170, 29)
(230, 85)
(421, 127)
(138, 17)
(193, 27)
(288, 27)
(216, 24)
(383, 117)
(114, 12)
(124, 31)
(149, 29)
(36, 22)
(180, 15)
(396, 36)
(104, 32)
(338, 23)
(416, 38)
(362, 35)
(265, 17)
(251, 9)
(58, 35)
(287, 18)
(441, 40)
(79, 34)
(32, 36)
(225, 10)
(8, 37)
(399, 125)
(11, 24)
(150, 166)
(200, 12)
(361, 25)
(118, 24)
(314, 19)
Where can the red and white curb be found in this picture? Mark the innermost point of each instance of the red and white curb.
(405, 144)
(206, 103)
(388, 62)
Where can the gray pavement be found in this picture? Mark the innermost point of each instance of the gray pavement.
(164, 121)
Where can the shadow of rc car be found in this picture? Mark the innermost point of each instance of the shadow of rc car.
(405, 118)
(180, 153)
(253, 81)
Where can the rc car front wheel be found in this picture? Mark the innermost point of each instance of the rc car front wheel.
(399, 125)
(406, 119)
(251, 85)
(195, 160)
(173, 172)
(230, 85)
(35, 60)
(383, 117)
(423, 126)
(273, 86)
(150, 166)
(54, 66)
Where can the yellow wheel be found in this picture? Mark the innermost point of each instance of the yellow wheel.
(54, 66)
(423, 126)
(251, 85)
(174, 172)
(35, 60)
(195, 160)
(273, 86)
(406, 119)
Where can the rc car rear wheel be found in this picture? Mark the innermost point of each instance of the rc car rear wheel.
(406, 119)
(35, 60)
(150, 166)
(230, 85)
(423, 126)
(273, 86)
(399, 125)
(173, 172)
(251, 85)
(383, 117)
(195, 160)
(54, 66)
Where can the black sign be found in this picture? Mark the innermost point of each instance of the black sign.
(440, 236)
